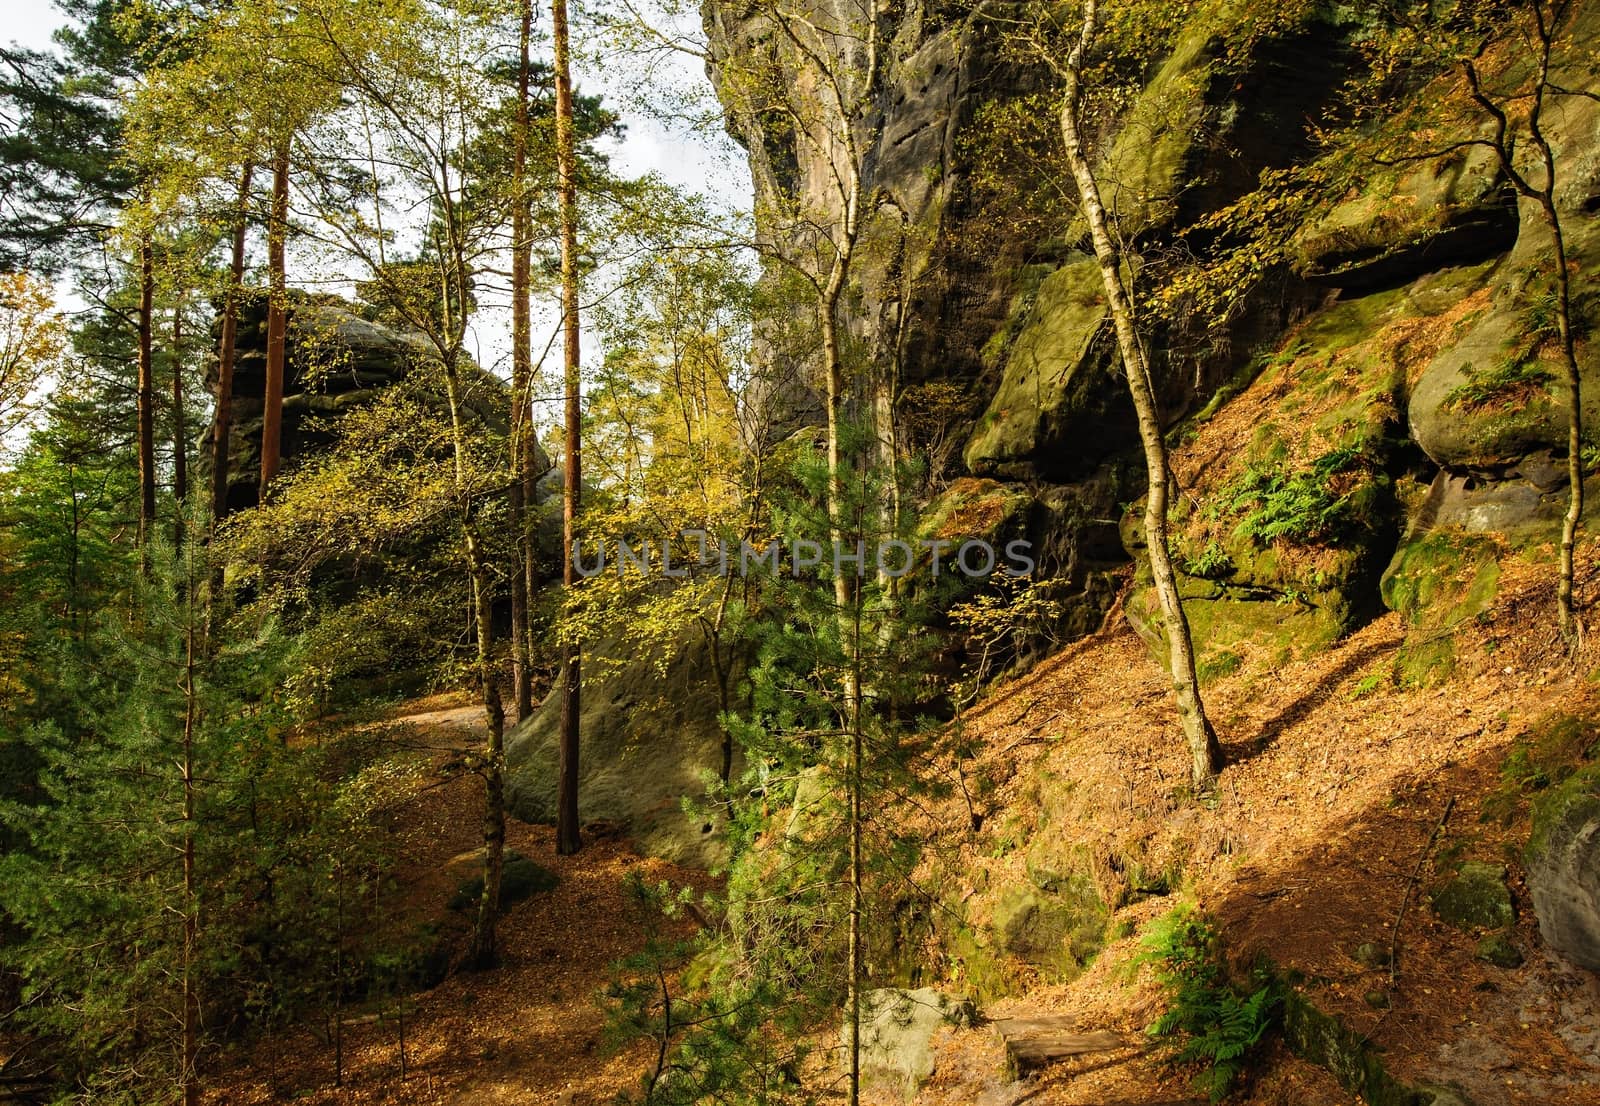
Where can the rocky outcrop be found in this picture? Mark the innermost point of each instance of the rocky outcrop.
(337, 359)
(1563, 862)
(1413, 220)
(1490, 409)
(649, 734)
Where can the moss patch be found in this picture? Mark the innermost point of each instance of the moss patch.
(1438, 580)
(1324, 1040)
(520, 879)
(1475, 898)
(1058, 929)
(1053, 374)
(1576, 800)
(1227, 624)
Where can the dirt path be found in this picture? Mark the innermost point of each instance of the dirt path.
(528, 1032)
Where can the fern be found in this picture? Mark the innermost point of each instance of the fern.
(1220, 1024)
(1301, 506)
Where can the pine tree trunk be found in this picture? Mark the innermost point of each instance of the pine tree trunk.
(567, 836)
(189, 1077)
(277, 320)
(144, 400)
(222, 426)
(1204, 750)
(180, 429)
(484, 952)
(521, 494)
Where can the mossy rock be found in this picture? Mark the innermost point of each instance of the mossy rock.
(1499, 950)
(650, 733)
(1563, 864)
(1056, 385)
(1441, 578)
(1456, 415)
(1222, 623)
(520, 878)
(1438, 580)
(1475, 898)
(977, 964)
(1411, 219)
(973, 509)
(1059, 930)
(1322, 1039)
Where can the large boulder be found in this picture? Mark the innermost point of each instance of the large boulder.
(1056, 384)
(1476, 897)
(1563, 865)
(1491, 407)
(897, 1030)
(1438, 579)
(649, 734)
(1057, 927)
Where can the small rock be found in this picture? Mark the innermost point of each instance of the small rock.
(1372, 955)
(1498, 950)
(1477, 898)
(1378, 1000)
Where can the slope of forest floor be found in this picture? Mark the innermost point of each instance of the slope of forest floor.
(527, 1032)
(1321, 832)
(1317, 840)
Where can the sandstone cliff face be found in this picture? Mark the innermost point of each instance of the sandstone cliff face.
(1418, 283)
(950, 294)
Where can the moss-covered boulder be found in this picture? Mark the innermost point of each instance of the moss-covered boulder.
(1476, 897)
(972, 509)
(1412, 219)
(1563, 865)
(1499, 950)
(1322, 1039)
(649, 734)
(1491, 407)
(520, 878)
(1057, 929)
(1438, 580)
(1056, 383)
(1498, 397)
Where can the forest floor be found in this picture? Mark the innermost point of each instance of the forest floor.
(527, 1032)
(1321, 838)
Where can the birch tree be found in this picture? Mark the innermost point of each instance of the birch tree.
(1205, 753)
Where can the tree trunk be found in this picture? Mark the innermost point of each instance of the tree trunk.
(1204, 750)
(1546, 30)
(1569, 357)
(277, 320)
(189, 1077)
(521, 381)
(144, 401)
(222, 427)
(180, 429)
(483, 952)
(567, 837)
